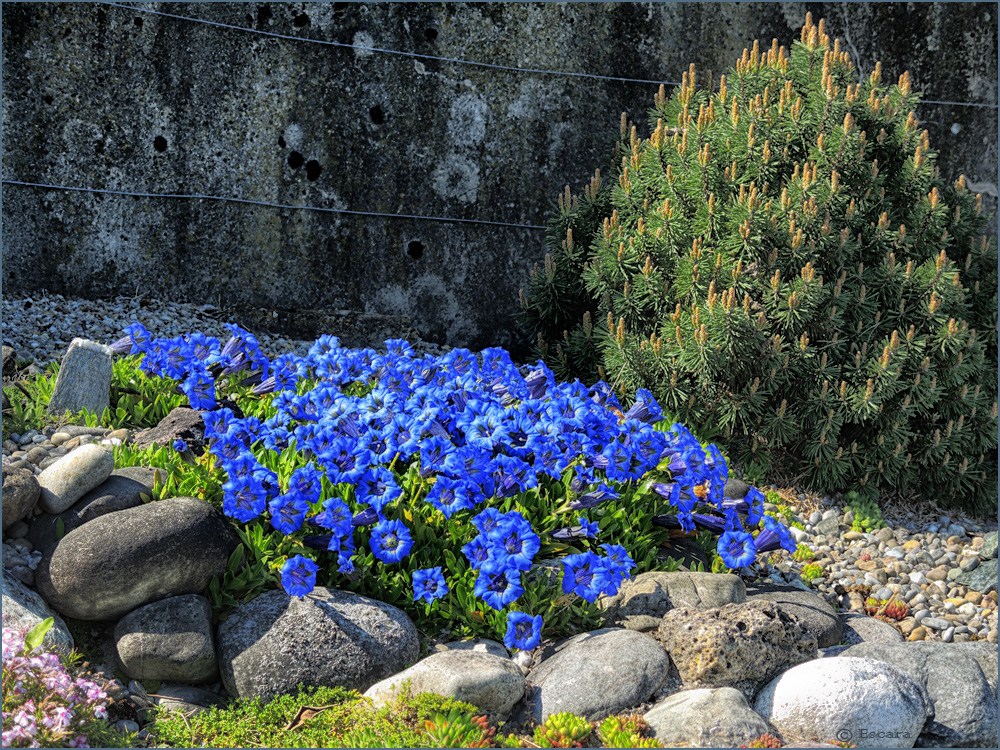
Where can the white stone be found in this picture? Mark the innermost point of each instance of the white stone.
(73, 476)
(868, 702)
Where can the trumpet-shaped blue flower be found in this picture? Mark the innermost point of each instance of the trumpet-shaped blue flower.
(288, 512)
(736, 548)
(523, 631)
(585, 575)
(449, 496)
(391, 541)
(298, 575)
(429, 584)
(243, 499)
(199, 387)
(499, 589)
(377, 487)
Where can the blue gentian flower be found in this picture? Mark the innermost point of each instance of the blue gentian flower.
(243, 499)
(523, 631)
(298, 575)
(449, 496)
(499, 589)
(477, 552)
(335, 516)
(736, 548)
(645, 409)
(391, 541)
(307, 482)
(429, 584)
(179, 445)
(199, 387)
(585, 575)
(589, 529)
(288, 512)
(377, 487)
(514, 542)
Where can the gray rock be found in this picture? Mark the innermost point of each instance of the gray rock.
(73, 476)
(328, 638)
(865, 701)
(20, 495)
(9, 361)
(182, 423)
(79, 430)
(860, 628)
(23, 609)
(719, 717)
(989, 548)
(827, 526)
(84, 380)
(185, 699)
(491, 683)
(736, 489)
(963, 697)
(811, 610)
(120, 561)
(596, 674)
(652, 594)
(479, 645)
(983, 578)
(119, 491)
(739, 645)
(168, 640)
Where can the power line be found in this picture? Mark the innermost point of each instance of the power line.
(418, 55)
(273, 205)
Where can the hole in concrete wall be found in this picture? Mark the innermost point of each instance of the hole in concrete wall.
(160, 143)
(281, 141)
(377, 115)
(296, 160)
(301, 21)
(415, 249)
(313, 170)
(138, 22)
(430, 34)
(264, 15)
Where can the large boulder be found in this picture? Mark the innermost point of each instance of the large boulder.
(960, 680)
(84, 379)
(492, 683)
(738, 645)
(983, 578)
(20, 495)
(330, 638)
(811, 610)
(120, 491)
(867, 702)
(642, 601)
(120, 561)
(23, 609)
(168, 640)
(73, 476)
(595, 675)
(706, 717)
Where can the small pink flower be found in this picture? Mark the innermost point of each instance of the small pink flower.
(80, 741)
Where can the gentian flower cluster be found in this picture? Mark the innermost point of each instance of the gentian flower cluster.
(43, 706)
(477, 430)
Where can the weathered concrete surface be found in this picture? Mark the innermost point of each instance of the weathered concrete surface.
(112, 98)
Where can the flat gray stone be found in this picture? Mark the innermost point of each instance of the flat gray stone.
(23, 609)
(815, 614)
(827, 526)
(961, 690)
(479, 645)
(185, 699)
(328, 638)
(120, 491)
(168, 640)
(20, 495)
(596, 674)
(84, 379)
(706, 717)
(989, 548)
(491, 683)
(182, 423)
(654, 593)
(982, 579)
(860, 628)
(123, 560)
(868, 702)
(739, 645)
(73, 476)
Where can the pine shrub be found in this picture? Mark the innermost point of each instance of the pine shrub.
(781, 259)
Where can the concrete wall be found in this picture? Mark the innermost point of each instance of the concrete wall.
(107, 97)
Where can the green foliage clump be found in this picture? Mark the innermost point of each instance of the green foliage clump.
(802, 553)
(811, 571)
(867, 516)
(626, 731)
(782, 258)
(765, 740)
(562, 730)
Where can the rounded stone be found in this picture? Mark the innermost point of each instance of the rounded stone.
(859, 628)
(329, 638)
(865, 701)
(811, 610)
(654, 593)
(168, 640)
(113, 564)
(72, 476)
(491, 683)
(20, 495)
(706, 717)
